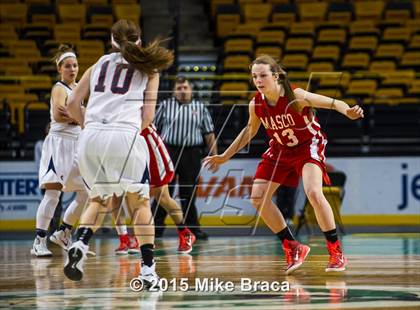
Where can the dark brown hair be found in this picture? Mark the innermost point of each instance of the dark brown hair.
(275, 67)
(63, 48)
(149, 59)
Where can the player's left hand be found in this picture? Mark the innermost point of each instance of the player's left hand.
(355, 112)
(65, 114)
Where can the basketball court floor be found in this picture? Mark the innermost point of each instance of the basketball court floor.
(384, 273)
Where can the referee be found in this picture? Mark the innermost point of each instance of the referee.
(185, 125)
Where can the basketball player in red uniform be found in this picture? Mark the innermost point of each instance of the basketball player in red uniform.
(162, 172)
(296, 149)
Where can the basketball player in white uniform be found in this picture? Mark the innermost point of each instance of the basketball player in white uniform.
(122, 89)
(58, 171)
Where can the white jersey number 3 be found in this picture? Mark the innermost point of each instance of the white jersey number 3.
(290, 135)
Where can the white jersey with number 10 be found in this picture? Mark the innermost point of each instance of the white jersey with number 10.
(116, 92)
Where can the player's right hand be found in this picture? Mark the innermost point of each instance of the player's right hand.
(213, 162)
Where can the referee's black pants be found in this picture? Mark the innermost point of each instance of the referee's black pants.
(187, 162)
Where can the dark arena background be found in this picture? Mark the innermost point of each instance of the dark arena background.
(361, 52)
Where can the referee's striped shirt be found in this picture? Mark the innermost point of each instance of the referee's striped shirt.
(183, 124)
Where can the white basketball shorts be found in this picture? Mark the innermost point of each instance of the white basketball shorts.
(113, 160)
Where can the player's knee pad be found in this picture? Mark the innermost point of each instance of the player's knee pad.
(46, 208)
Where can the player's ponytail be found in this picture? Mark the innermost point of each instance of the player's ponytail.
(125, 37)
(283, 80)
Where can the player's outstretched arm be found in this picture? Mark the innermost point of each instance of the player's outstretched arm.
(244, 137)
(309, 99)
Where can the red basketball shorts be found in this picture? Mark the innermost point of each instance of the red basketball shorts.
(284, 165)
(161, 167)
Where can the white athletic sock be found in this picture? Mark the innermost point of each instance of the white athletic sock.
(121, 229)
(46, 208)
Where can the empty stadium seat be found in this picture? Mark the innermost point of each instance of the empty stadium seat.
(284, 13)
(361, 88)
(257, 13)
(227, 18)
(356, 61)
(128, 11)
(369, 10)
(273, 51)
(244, 45)
(237, 63)
(313, 11)
(295, 61)
(72, 14)
(275, 37)
(299, 45)
(340, 11)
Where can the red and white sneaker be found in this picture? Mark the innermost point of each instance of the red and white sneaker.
(186, 241)
(295, 254)
(338, 261)
(133, 245)
(124, 245)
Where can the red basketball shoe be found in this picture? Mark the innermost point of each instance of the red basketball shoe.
(295, 254)
(186, 241)
(124, 245)
(338, 261)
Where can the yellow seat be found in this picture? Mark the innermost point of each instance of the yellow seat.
(306, 29)
(335, 80)
(271, 37)
(332, 36)
(320, 67)
(415, 42)
(295, 61)
(286, 16)
(397, 14)
(233, 90)
(238, 45)
(8, 33)
(313, 11)
(356, 61)
(396, 34)
(414, 89)
(10, 89)
(398, 78)
(389, 51)
(389, 93)
(363, 27)
(128, 11)
(361, 88)
(67, 33)
(95, 2)
(237, 63)
(363, 44)
(273, 51)
(382, 65)
(226, 23)
(72, 13)
(410, 59)
(299, 45)
(90, 49)
(249, 29)
(413, 25)
(326, 52)
(371, 10)
(36, 82)
(257, 13)
(13, 13)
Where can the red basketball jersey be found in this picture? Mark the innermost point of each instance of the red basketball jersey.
(290, 129)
